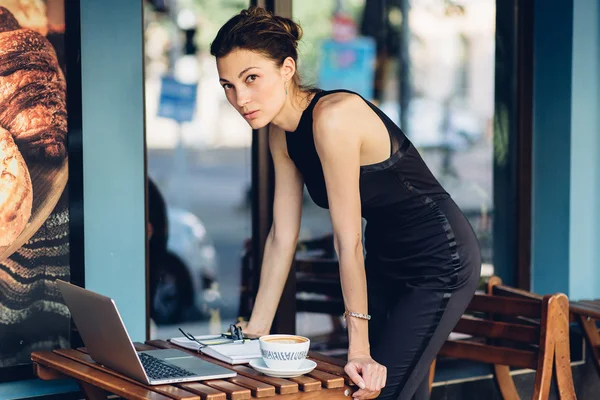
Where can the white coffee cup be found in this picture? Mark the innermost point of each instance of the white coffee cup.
(284, 352)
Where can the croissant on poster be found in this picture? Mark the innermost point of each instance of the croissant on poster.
(33, 115)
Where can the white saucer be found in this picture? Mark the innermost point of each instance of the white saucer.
(259, 365)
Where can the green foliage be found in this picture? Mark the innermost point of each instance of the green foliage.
(313, 16)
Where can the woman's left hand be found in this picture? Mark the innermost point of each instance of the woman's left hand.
(368, 375)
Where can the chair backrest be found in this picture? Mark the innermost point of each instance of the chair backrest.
(524, 332)
(318, 288)
(481, 324)
(313, 285)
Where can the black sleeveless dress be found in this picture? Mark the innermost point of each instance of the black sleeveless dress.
(422, 256)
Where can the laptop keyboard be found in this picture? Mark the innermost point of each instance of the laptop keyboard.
(158, 369)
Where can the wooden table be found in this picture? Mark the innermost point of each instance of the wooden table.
(587, 314)
(327, 382)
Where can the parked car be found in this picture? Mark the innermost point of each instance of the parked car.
(182, 263)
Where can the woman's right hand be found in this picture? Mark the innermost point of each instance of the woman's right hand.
(243, 324)
(249, 330)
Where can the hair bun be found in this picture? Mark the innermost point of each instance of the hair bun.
(256, 12)
(290, 27)
(256, 28)
(260, 14)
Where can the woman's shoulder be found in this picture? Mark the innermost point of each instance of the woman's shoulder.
(338, 103)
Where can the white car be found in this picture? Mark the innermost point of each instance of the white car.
(186, 276)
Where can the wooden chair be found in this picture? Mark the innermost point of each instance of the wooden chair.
(516, 332)
(585, 312)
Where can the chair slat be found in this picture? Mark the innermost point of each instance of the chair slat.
(464, 349)
(498, 330)
(505, 306)
(328, 287)
(317, 266)
(333, 306)
(585, 309)
(502, 290)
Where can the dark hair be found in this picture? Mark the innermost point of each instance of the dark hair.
(259, 30)
(157, 217)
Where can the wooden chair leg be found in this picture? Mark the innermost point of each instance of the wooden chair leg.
(502, 376)
(543, 375)
(493, 281)
(432, 374)
(562, 355)
(45, 373)
(505, 382)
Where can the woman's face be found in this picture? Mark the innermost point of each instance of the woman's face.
(253, 84)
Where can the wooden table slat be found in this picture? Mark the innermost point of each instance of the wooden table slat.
(331, 376)
(328, 359)
(282, 386)
(334, 370)
(233, 391)
(205, 392)
(329, 394)
(258, 389)
(95, 376)
(307, 384)
(330, 368)
(142, 346)
(328, 380)
(168, 390)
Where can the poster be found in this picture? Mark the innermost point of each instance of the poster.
(34, 208)
(349, 65)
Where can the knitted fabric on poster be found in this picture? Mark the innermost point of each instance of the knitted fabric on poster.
(32, 313)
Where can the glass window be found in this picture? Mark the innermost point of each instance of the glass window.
(198, 152)
(429, 65)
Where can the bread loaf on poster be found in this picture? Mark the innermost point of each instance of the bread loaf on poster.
(32, 91)
(16, 192)
(31, 14)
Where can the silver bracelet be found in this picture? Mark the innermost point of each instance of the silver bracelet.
(357, 315)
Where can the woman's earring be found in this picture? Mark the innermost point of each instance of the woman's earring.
(286, 88)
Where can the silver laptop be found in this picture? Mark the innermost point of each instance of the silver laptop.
(109, 344)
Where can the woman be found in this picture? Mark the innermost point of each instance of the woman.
(422, 264)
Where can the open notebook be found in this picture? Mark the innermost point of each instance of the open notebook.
(231, 353)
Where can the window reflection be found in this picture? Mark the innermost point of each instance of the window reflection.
(199, 174)
(432, 73)
(427, 63)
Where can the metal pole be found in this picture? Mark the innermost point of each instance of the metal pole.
(404, 84)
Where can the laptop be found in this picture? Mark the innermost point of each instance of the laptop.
(109, 344)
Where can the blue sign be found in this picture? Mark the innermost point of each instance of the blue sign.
(348, 65)
(177, 100)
